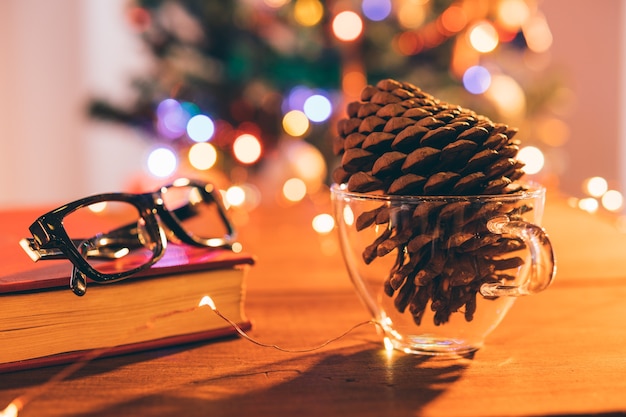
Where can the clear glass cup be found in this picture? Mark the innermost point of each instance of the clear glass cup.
(439, 273)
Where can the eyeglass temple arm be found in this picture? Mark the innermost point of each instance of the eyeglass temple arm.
(37, 253)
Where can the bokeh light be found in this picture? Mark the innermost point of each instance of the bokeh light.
(247, 148)
(323, 223)
(512, 14)
(454, 19)
(171, 118)
(347, 26)
(308, 163)
(140, 18)
(295, 123)
(235, 196)
(317, 108)
(296, 98)
(408, 43)
(236, 247)
(353, 82)
(411, 14)
(191, 109)
(202, 156)
(97, 207)
(294, 189)
(612, 200)
(533, 159)
(507, 95)
(162, 162)
(595, 186)
(376, 10)
(476, 79)
(308, 12)
(588, 204)
(483, 37)
(200, 128)
(537, 34)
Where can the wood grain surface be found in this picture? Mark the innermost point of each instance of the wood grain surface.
(561, 352)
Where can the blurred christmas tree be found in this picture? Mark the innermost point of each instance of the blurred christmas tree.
(235, 82)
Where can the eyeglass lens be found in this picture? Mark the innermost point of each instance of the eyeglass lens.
(195, 211)
(111, 236)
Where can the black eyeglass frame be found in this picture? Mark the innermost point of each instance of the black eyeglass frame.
(51, 241)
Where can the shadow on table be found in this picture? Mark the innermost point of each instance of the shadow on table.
(368, 382)
(32, 378)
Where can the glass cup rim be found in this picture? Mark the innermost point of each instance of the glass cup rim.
(532, 190)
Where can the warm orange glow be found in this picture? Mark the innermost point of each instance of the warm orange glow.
(462, 58)
(588, 204)
(12, 409)
(432, 36)
(323, 223)
(247, 148)
(483, 37)
(552, 131)
(612, 200)
(453, 19)
(294, 189)
(408, 43)
(347, 26)
(236, 247)
(388, 345)
(308, 163)
(353, 82)
(235, 196)
(98, 207)
(507, 95)
(207, 301)
(537, 34)
(595, 186)
(411, 13)
(512, 14)
(202, 156)
(308, 12)
(295, 123)
(533, 158)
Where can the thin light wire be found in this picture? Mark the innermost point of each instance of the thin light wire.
(256, 342)
(18, 404)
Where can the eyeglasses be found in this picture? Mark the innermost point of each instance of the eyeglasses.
(138, 227)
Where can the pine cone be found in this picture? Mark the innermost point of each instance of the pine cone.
(399, 140)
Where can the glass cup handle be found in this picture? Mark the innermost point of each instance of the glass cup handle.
(542, 269)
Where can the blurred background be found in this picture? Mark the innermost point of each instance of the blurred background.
(112, 95)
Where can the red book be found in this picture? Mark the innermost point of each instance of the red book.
(42, 322)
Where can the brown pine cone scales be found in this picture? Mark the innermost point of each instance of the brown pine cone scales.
(399, 140)
(410, 143)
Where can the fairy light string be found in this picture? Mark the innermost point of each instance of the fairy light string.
(18, 403)
(208, 301)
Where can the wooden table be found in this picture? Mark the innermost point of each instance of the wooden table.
(562, 352)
